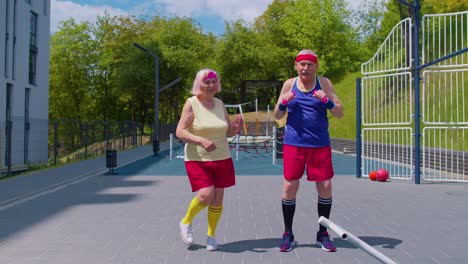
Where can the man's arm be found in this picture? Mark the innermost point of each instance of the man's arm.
(285, 94)
(329, 90)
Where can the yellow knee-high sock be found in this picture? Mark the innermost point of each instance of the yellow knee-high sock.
(214, 214)
(194, 208)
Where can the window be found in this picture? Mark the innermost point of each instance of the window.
(33, 49)
(26, 125)
(7, 26)
(33, 30)
(9, 90)
(32, 66)
(13, 61)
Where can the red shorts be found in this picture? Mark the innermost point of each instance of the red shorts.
(219, 173)
(316, 161)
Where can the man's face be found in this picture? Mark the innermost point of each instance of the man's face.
(306, 69)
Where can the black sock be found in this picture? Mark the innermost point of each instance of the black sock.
(324, 209)
(289, 207)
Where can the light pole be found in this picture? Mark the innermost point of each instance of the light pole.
(156, 98)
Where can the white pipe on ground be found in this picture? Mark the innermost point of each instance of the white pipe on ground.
(345, 235)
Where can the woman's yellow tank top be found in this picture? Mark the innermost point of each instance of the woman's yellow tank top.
(210, 124)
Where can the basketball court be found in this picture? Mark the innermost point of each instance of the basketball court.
(249, 163)
(132, 217)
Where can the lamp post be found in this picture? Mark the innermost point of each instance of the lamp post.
(156, 98)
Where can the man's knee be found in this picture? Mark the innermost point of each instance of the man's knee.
(324, 189)
(290, 189)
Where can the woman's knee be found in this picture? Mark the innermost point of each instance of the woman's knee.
(206, 195)
(218, 197)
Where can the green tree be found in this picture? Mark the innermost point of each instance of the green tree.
(269, 26)
(120, 96)
(368, 20)
(238, 58)
(446, 6)
(244, 54)
(184, 50)
(324, 26)
(72, 56)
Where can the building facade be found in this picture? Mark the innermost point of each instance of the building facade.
(24, 81)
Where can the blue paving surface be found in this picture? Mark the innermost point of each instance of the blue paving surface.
(248, 164)
(78, 214)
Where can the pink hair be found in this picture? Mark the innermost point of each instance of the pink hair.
(201, 75)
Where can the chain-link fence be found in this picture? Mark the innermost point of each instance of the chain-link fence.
(71, 140)
(25, 144)
(41, 143)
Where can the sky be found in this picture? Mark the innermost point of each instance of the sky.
(210, 14)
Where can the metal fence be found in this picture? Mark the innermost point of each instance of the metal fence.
(71, 140)
(391, 92)
(39, 143)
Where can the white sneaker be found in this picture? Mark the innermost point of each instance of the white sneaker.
(186, 233)
(211, 244)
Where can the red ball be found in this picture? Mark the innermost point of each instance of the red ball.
(382, 175)
(373, 175)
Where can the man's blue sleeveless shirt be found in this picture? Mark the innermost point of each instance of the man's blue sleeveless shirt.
(307, 121)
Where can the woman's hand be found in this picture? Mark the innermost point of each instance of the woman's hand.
(238, 123)
(208, 145)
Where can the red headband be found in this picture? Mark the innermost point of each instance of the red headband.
(210, 75)
(309, 57)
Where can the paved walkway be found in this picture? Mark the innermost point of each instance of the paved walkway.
(89, 217)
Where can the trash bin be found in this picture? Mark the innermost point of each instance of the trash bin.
(111, 158)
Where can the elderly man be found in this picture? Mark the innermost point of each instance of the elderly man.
(306, 99)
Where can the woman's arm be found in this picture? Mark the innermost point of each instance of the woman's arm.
(233, 127)
(183, 134)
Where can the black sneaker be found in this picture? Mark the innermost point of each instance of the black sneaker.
(324, 241)
(287, 243)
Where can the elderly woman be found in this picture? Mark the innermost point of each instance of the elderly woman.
(204, 126)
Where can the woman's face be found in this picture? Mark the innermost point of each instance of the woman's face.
(209, 86)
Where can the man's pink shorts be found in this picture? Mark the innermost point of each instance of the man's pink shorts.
(316, 161)
(219, 173)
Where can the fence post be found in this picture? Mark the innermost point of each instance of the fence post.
(55, 142)
(122, 131)
(134, 134)
(417, 79)
(86, 140)
(358, 129)
(171, 146)
(106, 134)
(274, 145)
(141, 133)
